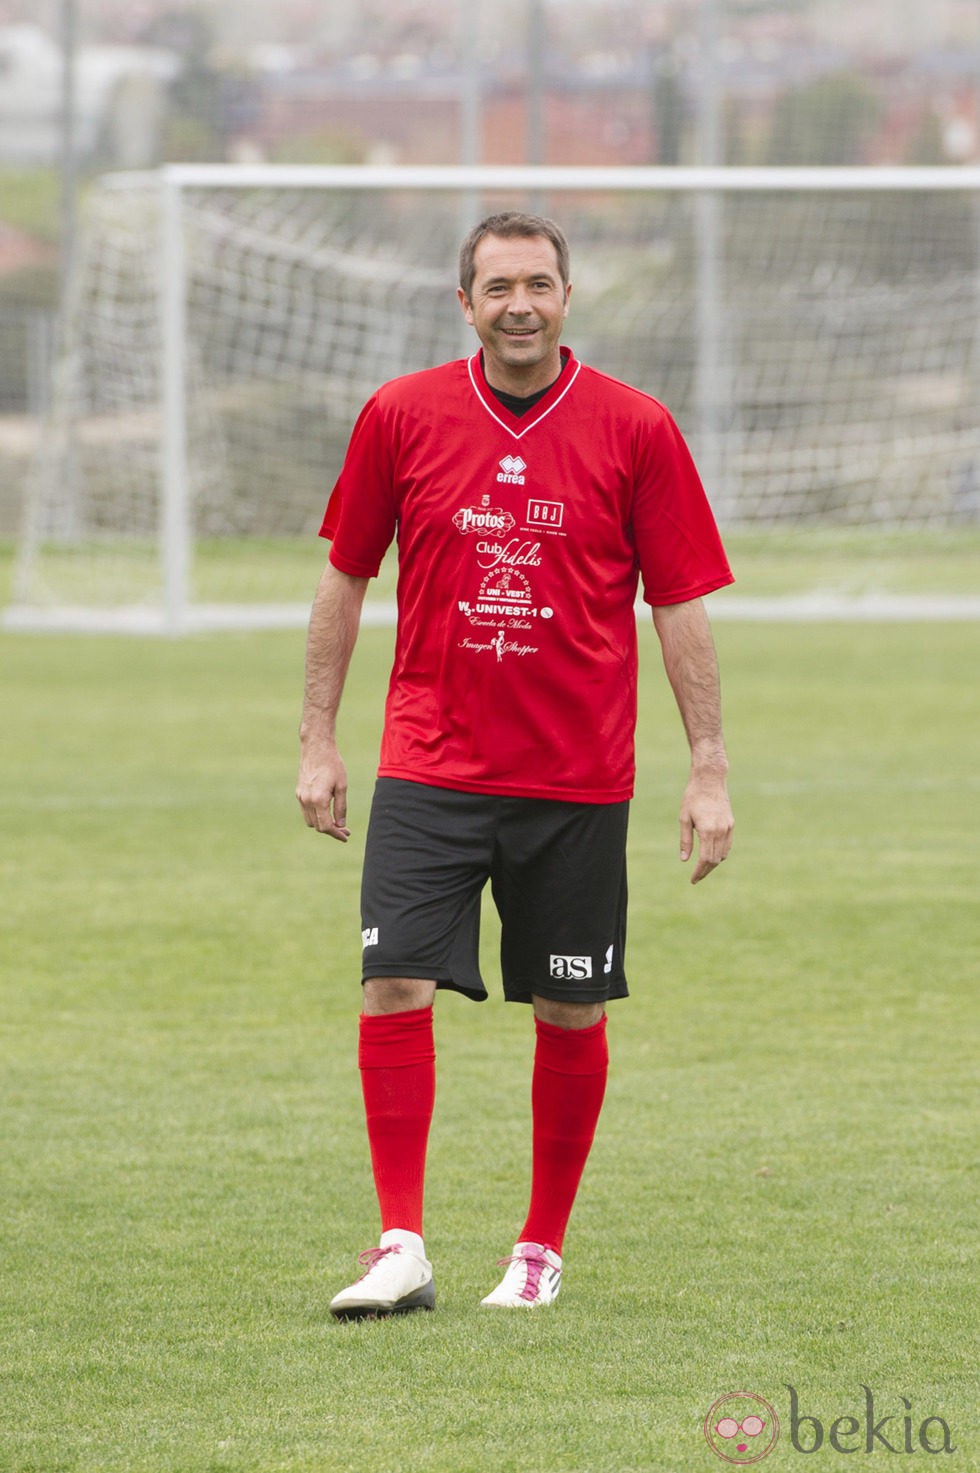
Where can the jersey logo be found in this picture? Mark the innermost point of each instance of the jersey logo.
(512, 469)
(482, 519)
(545, 513)
(505, 591)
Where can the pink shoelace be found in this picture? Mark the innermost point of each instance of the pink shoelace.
(372, 1256)
(536, 1266)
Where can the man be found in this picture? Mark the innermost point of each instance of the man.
(529, 494)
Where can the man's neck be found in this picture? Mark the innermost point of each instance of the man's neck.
(522, 383)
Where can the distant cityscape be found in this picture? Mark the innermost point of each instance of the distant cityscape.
(619, 81)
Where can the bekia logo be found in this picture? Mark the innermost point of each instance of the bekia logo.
(868, 1434)
(743, 1428)
(512, 469)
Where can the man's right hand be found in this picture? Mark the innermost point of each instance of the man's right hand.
(321, 790)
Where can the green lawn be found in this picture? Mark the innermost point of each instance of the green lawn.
(837, 560)
(847, 563)
(784, 1186)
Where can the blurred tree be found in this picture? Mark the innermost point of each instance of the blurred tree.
(29, 201)
(322, 146)
(195, 130)
(738, 143)
(926, 146)
(827, 121)
(29, 205)
(667, 106)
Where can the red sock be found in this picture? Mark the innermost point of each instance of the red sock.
(397, 1059)
(567, 1089)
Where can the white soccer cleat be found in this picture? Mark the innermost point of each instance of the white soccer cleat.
(395, 1281)
(533, 1278)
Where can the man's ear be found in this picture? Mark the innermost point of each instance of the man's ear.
(464, 303)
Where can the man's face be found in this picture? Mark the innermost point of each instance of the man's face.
(518, 305)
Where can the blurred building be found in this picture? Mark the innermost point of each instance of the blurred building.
(786, 99)
(384, 80)
(121, 94)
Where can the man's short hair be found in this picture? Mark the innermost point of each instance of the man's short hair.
(511, 224)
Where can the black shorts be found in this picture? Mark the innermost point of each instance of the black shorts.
(558, 877)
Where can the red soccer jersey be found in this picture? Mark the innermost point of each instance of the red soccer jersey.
(520, 544)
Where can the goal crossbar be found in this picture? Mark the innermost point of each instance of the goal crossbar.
(532, 179)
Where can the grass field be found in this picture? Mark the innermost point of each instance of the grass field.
(841, 561)
(783, 1191)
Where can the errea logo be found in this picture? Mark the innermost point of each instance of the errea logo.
(512, 469)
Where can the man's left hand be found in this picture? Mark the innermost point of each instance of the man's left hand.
(707, 812)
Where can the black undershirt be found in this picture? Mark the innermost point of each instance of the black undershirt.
(516, 405)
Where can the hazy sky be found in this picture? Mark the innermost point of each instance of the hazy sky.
(879, 24)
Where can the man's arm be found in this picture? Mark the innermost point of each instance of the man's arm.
(322, 784)
(692, 669)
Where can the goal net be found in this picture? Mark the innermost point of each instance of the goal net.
(816, 334)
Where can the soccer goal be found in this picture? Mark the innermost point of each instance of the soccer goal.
(815, 332)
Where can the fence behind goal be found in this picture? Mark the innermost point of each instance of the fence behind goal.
(816, 333)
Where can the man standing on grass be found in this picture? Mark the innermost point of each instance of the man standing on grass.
(529, 495)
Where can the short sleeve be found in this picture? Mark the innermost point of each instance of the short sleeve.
(360, 516)
(678, 545)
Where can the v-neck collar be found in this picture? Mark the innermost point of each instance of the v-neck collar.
(520, 425)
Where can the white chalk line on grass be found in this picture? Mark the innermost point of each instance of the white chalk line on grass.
(804, 608)
(828, 607)
(817, 607)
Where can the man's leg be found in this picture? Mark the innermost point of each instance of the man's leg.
(567, 1088)
(571, 1060)
(396, 1055)
(561, 889)
(426, 862)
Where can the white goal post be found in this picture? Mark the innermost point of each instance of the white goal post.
(815, 331)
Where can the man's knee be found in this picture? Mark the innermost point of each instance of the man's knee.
(397, 994)
(568, 1014)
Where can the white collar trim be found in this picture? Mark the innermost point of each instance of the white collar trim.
(517, 434)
